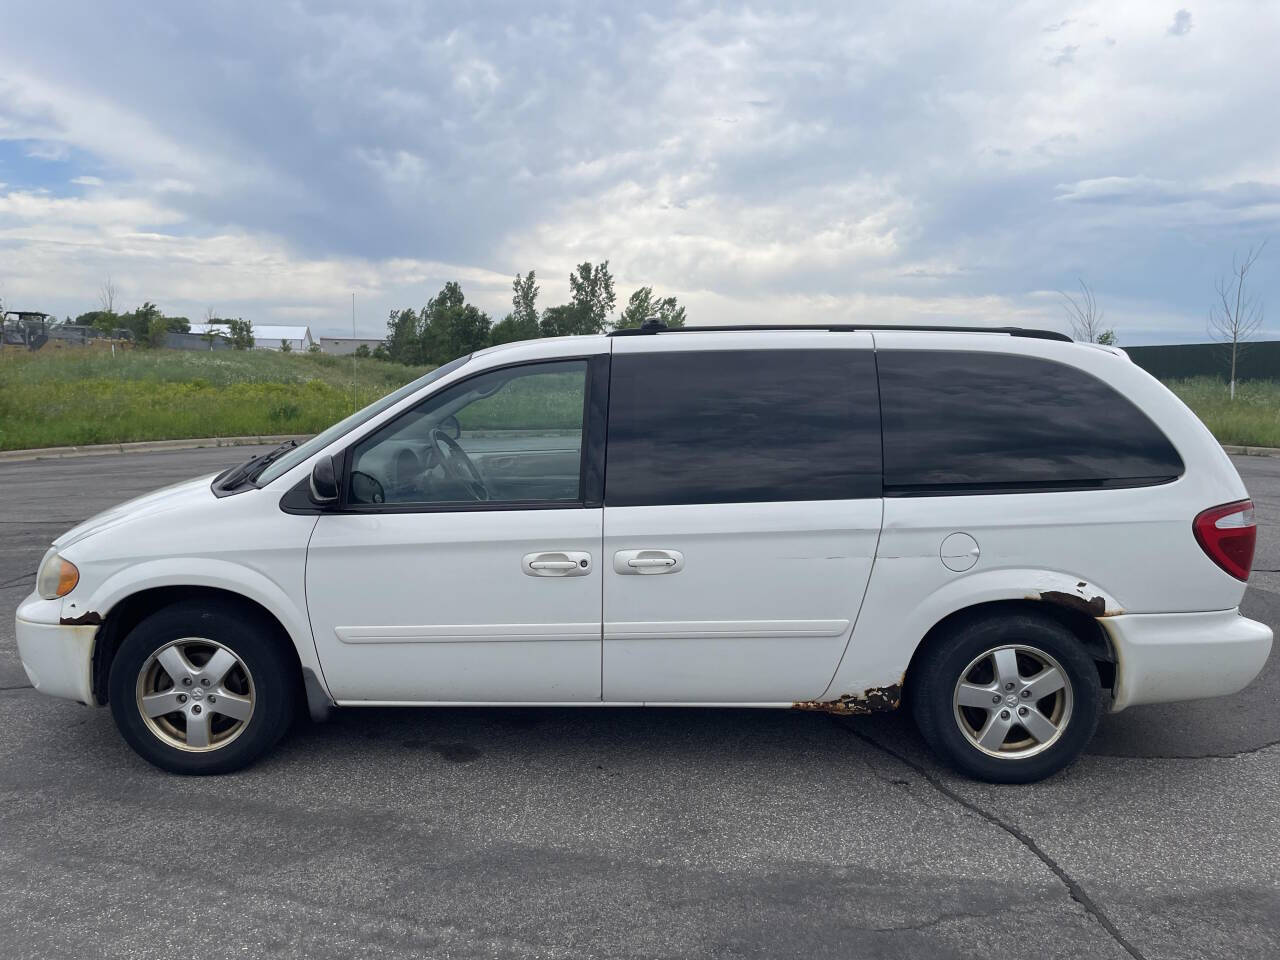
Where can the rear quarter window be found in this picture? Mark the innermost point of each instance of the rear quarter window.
(963, 422)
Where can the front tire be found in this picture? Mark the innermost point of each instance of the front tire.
(201, 689)
(1009, 699)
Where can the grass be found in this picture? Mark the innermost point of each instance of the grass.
(56, 397)
(71, 397)
(549, 401)
(1251, 419)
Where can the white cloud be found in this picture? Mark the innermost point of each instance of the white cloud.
(927, 161)
(48, 150)
(82, 241)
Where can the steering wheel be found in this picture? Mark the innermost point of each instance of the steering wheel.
(457, 464)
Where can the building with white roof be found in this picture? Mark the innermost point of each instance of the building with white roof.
(267, 336)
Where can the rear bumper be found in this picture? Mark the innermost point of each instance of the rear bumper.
(1184, 656)
(58, 658)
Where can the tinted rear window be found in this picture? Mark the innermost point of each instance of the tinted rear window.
(984, 421)
(739, 426)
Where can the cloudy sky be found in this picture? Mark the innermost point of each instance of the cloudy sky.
(849, 161)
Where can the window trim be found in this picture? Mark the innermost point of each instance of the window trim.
(591, 459)
(1018, 486)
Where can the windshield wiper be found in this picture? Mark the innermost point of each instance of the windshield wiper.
(253, 466)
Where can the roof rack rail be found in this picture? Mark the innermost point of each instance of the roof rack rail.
(651, 329)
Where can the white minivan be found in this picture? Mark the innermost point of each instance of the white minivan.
(1006, 532)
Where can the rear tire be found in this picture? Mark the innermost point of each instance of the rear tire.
(202, 689)
(1008, 699)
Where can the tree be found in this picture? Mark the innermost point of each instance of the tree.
(522, 322)
(146, 323)
(240, 333)
(1237, 315)
(451, 327)
(107, 296)
(362, 351)
(524, 299)
(592, 293)
(100, 320)
(1108, 338)
(445, 328)
(1085, 317)
(286, 346)
(314, 348)
(404, 337)
(210, 332)
(565, 320)
(643, 305)
(105, 320)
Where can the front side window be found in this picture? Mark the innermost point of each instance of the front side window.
(512, 435)
(742, 426)
(965, 422)
(321, 440)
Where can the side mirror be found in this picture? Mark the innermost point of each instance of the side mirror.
(324, 481)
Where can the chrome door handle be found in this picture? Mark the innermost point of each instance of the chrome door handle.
(566, 563)
(647, 562)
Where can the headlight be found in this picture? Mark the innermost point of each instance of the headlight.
(57, 577)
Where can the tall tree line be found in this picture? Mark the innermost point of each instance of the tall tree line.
(148, 324)
(448, 326)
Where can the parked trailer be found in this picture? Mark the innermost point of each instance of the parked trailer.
(24, 328)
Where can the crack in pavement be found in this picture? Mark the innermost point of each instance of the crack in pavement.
(1076, 891)
(26, 686)
(1188, 756)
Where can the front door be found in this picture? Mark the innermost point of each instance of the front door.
(464, 565)
(742, 510)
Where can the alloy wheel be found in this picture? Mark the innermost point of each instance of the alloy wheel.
(195, 694)
(1013, 701)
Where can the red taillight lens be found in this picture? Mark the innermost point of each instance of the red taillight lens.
(1228, 534)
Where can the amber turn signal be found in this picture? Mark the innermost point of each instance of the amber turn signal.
(57, 577)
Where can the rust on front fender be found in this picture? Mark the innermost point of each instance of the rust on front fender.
(87, 619)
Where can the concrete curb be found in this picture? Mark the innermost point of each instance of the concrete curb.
(142, 446)
(1251, 451)
(150, 446)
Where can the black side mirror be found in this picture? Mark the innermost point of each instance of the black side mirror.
(324, 481)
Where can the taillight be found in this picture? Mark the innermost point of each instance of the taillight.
(1228, 534)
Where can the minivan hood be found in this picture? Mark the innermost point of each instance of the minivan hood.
(163, 500)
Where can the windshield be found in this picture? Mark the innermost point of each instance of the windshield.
(322, 440)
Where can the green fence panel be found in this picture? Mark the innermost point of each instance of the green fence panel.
(1255, 361)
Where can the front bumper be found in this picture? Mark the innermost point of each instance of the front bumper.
(58, 658)
(1162, 657)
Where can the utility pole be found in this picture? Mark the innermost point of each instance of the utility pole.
(354, 402)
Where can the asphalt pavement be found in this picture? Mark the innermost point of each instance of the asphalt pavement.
(623, 833)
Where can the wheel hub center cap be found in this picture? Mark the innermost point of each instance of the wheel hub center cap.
(1011, 700)
(197, 693)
